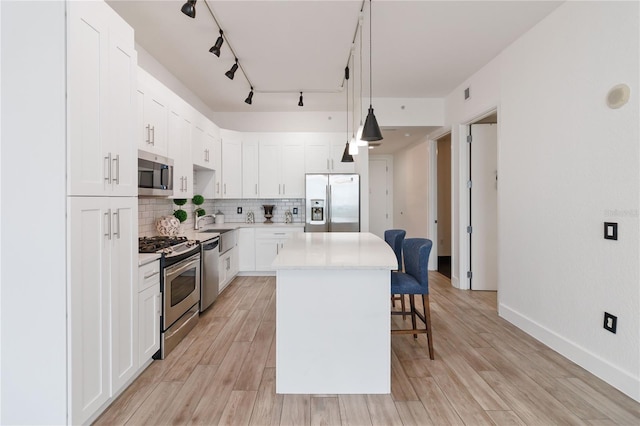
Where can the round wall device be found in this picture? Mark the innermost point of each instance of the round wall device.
(618, 96)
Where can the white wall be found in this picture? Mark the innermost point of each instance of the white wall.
(33, 321)
(567, 163)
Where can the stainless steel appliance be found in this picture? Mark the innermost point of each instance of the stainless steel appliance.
(155, 175)
(332, 203)
(209, 286)
(180, 287)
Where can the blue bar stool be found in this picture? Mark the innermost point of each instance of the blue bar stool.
(415, 280)
(395, 237)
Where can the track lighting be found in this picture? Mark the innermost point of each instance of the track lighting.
(300, 103)
(371, 131)
(215, 49)
(189, 8)
(249, 99)
(231, 73)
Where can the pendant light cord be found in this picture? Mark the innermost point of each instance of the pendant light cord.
(370, 55)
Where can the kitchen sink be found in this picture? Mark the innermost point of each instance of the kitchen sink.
(218, 230)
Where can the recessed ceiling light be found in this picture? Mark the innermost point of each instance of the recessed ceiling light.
(407, 135)
(371, 147)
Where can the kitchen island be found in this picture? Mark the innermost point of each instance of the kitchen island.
(332, 314)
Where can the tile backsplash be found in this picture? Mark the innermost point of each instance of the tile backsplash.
(149, 209)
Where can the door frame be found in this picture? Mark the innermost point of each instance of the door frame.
(433, 193)
(389, 159)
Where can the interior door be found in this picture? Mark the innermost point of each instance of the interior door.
(484, 206)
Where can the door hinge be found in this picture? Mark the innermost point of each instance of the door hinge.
(469, 138)
(469, 229)
(469, 274)
(387, 192)
(386, 168)
(387, 215)
(469, 183)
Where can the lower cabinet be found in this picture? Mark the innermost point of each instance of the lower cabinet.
(268, 243)
(247, 249)
(149, 311)
(228, 268)
(103, 292)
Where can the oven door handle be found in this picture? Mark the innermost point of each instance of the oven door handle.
(172, 271)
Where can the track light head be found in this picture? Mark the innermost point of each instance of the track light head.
(232, 72)
(215, 49)
(300, 103)
(249, 99)
(189, 8)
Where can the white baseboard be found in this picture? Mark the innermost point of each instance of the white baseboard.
(622, 380)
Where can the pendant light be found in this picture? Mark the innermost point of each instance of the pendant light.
(353, 145)
(359, 140)
(371, 131)
(346, 157)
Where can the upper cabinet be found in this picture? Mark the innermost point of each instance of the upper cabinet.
(250, 155)
(153, 114)
(179, 148)
(231, 183)
(101, 90)
(204, 143)
(324, 154)
(281, 166)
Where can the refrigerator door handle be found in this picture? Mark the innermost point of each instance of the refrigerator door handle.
(328, 208)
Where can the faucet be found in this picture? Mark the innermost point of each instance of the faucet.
(197, 219)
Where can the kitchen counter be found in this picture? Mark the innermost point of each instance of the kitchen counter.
(333, 332)
(199, 235)
(144, 258)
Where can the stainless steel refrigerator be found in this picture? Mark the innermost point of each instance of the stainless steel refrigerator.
(332, 203)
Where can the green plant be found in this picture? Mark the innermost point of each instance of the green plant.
(181, 215)
(179, 201)
(197, 200)
(200, 212)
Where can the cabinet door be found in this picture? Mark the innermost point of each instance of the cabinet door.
(266, 252)
(246, 249)
(317, 156)
(149, 310)
(153, 110)
(89, 278)
(87, 82)
(179, 135)
(293, 166)
(124, 289)
(231, 168)
(122, 105)
(269, 169)
(198, 145)
(250, 169)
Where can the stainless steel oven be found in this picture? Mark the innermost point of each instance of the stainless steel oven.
(181, 298)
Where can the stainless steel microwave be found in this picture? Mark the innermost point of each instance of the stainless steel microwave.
(155, 175)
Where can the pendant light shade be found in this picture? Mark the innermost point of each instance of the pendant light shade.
(215, 49)
(346, 157)
(371, 131)
(189, 8)
(232, 72)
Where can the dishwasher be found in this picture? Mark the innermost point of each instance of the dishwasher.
(209, 284)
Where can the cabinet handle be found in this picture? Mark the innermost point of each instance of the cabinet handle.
(148, 133)
(153, 134)
(116, 216)
(278, 233)
(185, 183)
(217, 187)
(225, 189)
(151, 274)
(108, 217)
(108, 169)
(283, 190)
(256, 189)
(279, 189)
(328, 164)
(159, 296)
(117, 161)
(181, 183)
(277, 248)
(332, 167)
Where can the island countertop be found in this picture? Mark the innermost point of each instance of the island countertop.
(335, 250)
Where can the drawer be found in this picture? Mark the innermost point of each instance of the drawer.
(149, 275)
(280, 233)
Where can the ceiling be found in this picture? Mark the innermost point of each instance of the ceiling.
(420, 48)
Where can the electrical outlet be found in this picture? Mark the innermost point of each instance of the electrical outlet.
(610, 231)
(239, 210)
(295, 210)
(610, 322)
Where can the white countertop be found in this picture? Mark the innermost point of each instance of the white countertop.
(144, 258)
(337, 250)
(193, 234)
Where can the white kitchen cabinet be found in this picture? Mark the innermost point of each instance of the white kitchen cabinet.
(153, 114)
(246, 249)
(179, 134)
(250, 187)
(228, 268)
(205, 135)
(231, 182)
(149, 311)
(323, 154)
(268, 243)
(281, 167)
(101, 96)
(103, 320)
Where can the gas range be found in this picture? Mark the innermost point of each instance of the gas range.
(172, 249)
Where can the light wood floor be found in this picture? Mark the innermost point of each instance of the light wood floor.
(486, 371)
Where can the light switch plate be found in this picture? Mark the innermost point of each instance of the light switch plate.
(610, 231)
(295, 210)
(239, 210)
